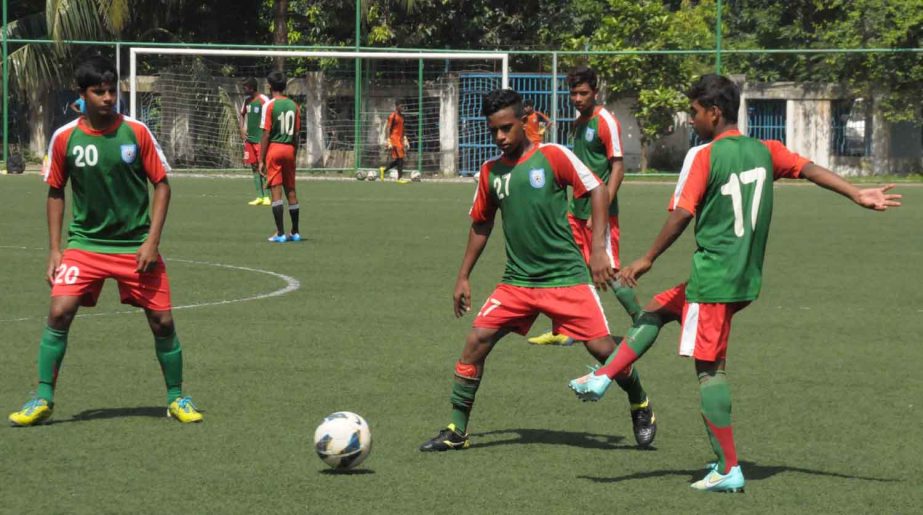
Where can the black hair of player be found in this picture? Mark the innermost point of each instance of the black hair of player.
(277, 81)
(94, 71)
(528, 103)
(583, 74)
(501, 99)
(717, 90)
(249, 82)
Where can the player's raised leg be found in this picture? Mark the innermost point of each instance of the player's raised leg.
(467, 379)
(51, 349)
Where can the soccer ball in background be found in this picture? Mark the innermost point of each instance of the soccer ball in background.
(393, 175)
(372, 176)
(415, 176)
(343, 440)
(360, 176)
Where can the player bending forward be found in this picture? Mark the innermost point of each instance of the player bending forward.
(727, 185)
(545, 271)
(109, 159)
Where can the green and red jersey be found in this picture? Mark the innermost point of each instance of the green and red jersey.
(597, 140)
(727, 185)
(253, 110)
(282, 118)
(532, 195)
(108, 171)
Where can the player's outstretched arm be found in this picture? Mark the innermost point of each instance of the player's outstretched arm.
(477, 240)
(672, 229)
(54, 208)
(877, 199)
(149, 251)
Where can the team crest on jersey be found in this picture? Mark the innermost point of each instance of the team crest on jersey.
(129, 153)
(588, 135)
(537, 177)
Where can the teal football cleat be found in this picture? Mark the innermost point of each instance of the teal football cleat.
(714, 481)
(590, 387)
(277, 238)
(294, 237)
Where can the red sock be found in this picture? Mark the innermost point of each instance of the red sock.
(623, 359)
(725, 438)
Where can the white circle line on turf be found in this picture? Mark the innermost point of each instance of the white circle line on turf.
(291, 284)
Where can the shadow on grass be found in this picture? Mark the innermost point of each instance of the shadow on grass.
(752, 472)
(551, 437)
(357, 472)
(108, 413)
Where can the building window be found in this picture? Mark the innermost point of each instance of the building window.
(851, 128)
(766, 119)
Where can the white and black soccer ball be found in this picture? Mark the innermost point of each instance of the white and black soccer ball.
(360, 176)
(343, 440)
(371, 176)
(415, 176)
(392, 175)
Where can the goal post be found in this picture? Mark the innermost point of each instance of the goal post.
(209, 115)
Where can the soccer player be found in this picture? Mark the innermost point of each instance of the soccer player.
(109, 160)
(397, 142)
(250, 132)
(726, 185)
(536, 122)
(545, 271)
(278, 149)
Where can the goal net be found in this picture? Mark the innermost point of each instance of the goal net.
(191, 99)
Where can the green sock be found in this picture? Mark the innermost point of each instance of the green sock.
(716, 412)
(258, 184)
(463, 392)
(170, 355)
(631, 384)
(627, 298)
(50, 354)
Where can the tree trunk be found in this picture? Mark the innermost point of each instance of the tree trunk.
(280, 30)
(645, 147)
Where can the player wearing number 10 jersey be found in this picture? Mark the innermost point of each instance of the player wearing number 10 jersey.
(727, 185)
(109, 160)
(281, 124)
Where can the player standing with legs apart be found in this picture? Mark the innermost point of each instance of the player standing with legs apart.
(727, 185)
(598, 144)
(250, 116)
(278, 150)
(537, 122)
(109, 159)
(397, 143)
(545, 271)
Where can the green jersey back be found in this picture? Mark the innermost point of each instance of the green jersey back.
(108, 171)
(597, 140)
(532, 194)
(253, 111)
(282, 117)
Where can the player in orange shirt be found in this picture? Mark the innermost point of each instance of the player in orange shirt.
(536, 122)
(397, 142)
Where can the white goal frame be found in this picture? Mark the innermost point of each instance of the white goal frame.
(504, 58)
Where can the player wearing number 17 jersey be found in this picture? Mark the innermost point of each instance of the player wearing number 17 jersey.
(278, 152)
(545, 271)
(727, 185)
(109, 160)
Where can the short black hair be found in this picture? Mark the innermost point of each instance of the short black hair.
(96, 70)
(528, 103)
(501, 99)
(717, 90)
(277, 81)
(581, 75)
(250, 82)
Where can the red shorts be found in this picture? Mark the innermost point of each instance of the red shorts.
(251, 153)
(705, 326)
(82, 273)
(574, 311)
(584, 238)
(280, 165)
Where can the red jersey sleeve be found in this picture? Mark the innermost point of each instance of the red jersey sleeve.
(149, 151)
(693, 179)
(785, 163)
(55, 170)
(483, 208)
(569, 170)
(266, 120)
(610, 133)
